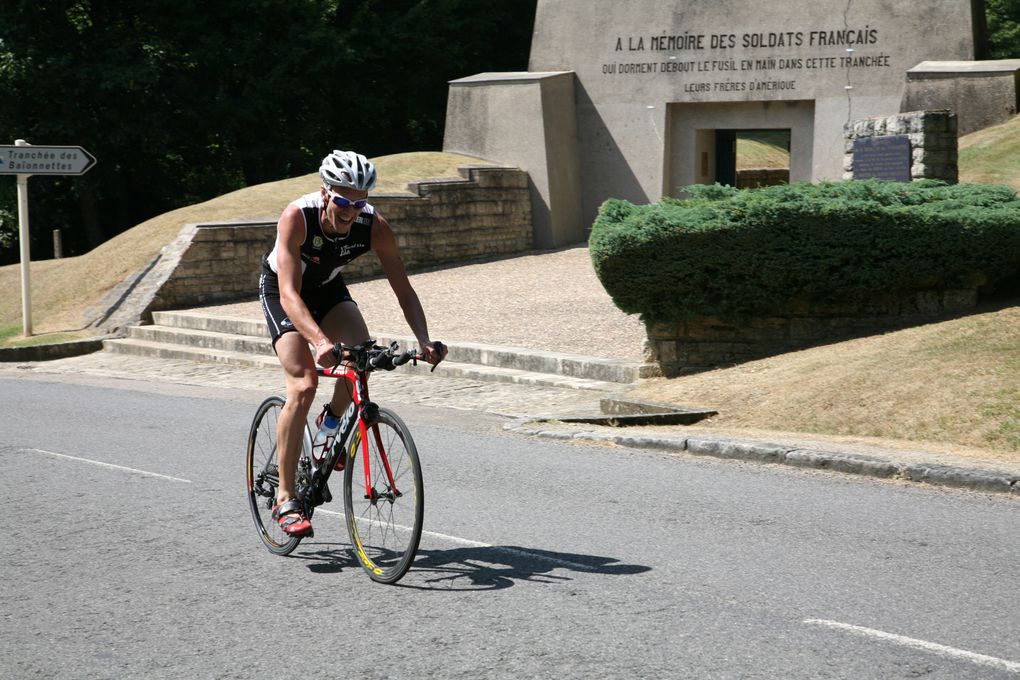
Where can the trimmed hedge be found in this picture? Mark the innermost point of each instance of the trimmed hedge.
(734, 253)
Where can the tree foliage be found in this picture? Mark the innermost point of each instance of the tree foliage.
(183, 100)
(1003, 28)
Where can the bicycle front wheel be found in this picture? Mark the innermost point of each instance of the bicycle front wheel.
(384, 498)
(264, 476)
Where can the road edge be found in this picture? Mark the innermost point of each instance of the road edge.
(937, 474)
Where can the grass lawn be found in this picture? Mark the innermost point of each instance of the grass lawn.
(763, 149)
(992, 155)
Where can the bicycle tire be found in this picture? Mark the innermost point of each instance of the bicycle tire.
(385, 528)
(263, 476)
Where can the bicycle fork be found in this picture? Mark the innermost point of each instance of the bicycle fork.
(371, 494)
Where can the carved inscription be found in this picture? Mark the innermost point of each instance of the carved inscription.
(702, 59)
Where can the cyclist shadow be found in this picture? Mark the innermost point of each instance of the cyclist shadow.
(502, 566)
(481, 568)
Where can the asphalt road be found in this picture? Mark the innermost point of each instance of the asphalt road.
(130, 553)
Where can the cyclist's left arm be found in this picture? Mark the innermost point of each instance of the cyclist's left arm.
(384, 243)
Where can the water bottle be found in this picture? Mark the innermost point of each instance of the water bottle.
(324, 437)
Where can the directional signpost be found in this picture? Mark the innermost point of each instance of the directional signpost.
(29, 159)
(24, 160)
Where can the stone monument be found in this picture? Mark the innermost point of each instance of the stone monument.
(636, 99)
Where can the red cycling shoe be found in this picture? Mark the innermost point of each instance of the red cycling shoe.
(290, 515)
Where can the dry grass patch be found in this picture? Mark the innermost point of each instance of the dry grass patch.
(955, 382)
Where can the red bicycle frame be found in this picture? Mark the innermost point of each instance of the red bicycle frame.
(359, 397)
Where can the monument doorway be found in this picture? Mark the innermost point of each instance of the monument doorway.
(752, 158)
(718, 142)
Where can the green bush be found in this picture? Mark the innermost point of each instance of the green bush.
(736, 253)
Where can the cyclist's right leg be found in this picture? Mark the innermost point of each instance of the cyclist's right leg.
(301, 380)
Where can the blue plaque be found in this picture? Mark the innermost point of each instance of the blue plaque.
(886, 158)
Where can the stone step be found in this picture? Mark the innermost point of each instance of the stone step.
(162, 350)
(216, 324)
(528, 360)
(139, 346)
(202, 339)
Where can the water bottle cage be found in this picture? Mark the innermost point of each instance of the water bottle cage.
(320, 452)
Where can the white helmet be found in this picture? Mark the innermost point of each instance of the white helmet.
(348, 169)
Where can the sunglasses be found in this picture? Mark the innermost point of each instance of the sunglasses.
(343, 202)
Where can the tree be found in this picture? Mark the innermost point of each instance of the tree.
(183, 101)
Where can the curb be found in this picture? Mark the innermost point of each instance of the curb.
(754, 451)
(59, 350)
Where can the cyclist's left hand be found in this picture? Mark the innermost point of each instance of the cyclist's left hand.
(434, 351)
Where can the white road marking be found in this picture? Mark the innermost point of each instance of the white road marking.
(110, 465)
(982, 659)
(478, 544)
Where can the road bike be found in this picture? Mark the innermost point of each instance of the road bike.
(383, 496)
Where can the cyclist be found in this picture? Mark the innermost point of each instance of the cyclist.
(302, 290)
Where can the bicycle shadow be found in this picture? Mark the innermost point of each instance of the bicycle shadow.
(482, 568)
(502, 566)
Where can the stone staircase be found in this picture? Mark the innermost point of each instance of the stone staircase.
(197, 336)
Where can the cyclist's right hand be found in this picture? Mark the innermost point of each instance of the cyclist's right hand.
(325, 355)
(433, 352)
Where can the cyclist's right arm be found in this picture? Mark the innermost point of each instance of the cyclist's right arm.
(290, 233)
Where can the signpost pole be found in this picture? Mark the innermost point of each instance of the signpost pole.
(26, 283)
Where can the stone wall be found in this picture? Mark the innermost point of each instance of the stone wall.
(706, 342)
(980, 93)
(485, 214)
(527, 120)
(752, 178)
(933, 142)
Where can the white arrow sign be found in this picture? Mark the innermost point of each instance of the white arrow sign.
(44, 160)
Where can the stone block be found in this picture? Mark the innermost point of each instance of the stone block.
(665, 331)
(898, 125)
(736, 449)
(667, 351)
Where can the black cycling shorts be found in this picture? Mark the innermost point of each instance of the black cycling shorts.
(320, 301)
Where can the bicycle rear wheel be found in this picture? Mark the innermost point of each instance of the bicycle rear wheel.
(384, 515)
(264, 476)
